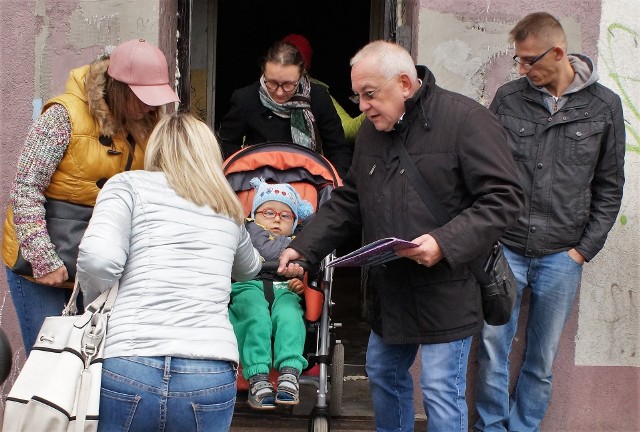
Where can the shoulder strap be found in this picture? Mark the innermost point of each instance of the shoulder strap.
(433, 203)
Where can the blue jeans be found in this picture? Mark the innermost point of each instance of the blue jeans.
(166, 394)
(443, 382)
(554, 280)
(33, 303)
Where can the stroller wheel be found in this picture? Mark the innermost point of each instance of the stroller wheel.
(337, 381)
(319, 424)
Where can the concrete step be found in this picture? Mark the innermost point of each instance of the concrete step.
(357, 409)
(356, 415)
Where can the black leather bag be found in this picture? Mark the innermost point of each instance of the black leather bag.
(497, 283)
(66, 224)
(499, 289)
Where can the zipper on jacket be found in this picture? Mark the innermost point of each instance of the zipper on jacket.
(405, 204)
(373, 168)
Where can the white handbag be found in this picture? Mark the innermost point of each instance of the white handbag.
(58, 388)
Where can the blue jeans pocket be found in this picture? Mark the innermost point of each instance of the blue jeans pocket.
(112, 405)
(572, 260)
(214, 416)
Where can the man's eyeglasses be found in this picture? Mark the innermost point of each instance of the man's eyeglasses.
(368, 96)
(528, 64)
(287, 87)
(271, 214)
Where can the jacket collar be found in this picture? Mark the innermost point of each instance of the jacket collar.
(573, 99)
(414, 106)
(94, 86)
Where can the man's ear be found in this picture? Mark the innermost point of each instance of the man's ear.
(406, 85)
(559, 53)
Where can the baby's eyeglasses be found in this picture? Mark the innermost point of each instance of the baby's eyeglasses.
(271, 214)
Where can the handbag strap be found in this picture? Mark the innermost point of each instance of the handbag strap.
(433, 204)
(104, 301)
(99, 309)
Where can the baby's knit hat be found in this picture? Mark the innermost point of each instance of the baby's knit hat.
(284, 193)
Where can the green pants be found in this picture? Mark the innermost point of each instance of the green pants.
(255, 326)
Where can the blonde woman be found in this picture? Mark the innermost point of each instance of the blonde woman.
(173, 237)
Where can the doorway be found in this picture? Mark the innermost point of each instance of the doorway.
(246, 29)
(227, 38)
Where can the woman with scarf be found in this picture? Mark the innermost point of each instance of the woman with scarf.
(283, 105)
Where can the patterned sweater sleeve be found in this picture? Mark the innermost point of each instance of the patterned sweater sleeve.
(46, 143)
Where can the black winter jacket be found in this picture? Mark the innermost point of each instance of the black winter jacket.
(571, 163)
(249, 119)
(461, 151)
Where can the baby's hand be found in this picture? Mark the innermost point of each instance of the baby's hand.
(296, 286)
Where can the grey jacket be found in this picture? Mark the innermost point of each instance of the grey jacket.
(570, 162)
(174, 261)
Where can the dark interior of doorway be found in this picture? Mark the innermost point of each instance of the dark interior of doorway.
(246, 29)
(336, 29)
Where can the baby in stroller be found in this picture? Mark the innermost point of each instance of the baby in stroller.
(277, 209)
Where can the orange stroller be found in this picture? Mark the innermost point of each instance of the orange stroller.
(314, 178)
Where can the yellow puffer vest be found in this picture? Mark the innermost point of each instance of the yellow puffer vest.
(85, 162)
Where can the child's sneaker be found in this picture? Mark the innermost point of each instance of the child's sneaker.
(288, 388)
(261, 394)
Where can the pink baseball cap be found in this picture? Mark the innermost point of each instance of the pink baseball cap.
(144, 67)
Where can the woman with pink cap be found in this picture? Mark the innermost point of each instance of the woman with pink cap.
(97, 128)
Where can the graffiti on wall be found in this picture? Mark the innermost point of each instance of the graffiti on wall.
(609, 317)
(625, 76)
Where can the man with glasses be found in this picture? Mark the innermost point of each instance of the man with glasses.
(567, 136)
(428, 300)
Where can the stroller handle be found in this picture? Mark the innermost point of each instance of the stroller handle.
(272, 266)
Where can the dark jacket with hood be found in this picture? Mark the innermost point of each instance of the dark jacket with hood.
(570, 159)
(460, 149)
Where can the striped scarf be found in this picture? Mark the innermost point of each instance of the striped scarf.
(303, 125)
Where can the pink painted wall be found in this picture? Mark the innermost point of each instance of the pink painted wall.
(585, 12)
(16, 93)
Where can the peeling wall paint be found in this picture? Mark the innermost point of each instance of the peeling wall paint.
(473, 56)
(609, 319)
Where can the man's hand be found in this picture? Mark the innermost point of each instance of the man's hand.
(286, 268)
(576, 256)
(428, 253)
(296, 286)
(55, 278)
